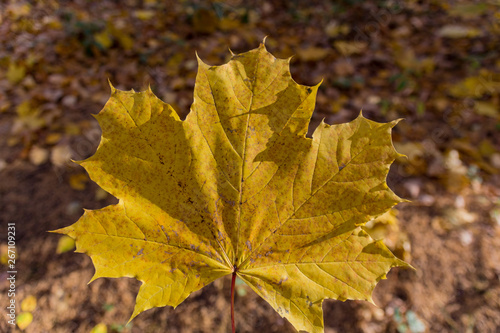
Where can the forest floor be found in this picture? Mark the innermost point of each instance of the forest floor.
(434, 63)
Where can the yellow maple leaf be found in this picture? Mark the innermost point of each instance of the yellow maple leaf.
(237, 188)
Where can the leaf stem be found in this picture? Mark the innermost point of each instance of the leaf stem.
(232, 301)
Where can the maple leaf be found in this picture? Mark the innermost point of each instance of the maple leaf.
(237, 188)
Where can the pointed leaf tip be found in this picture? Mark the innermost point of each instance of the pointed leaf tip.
(199, 60)
(395, 122)
(93, 278)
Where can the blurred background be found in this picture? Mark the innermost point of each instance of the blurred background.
(434, 63)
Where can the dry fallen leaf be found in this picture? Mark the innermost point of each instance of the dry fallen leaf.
(29, 303)
(458, 31)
